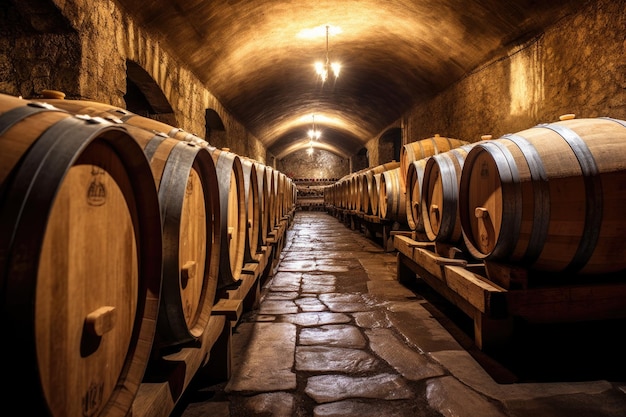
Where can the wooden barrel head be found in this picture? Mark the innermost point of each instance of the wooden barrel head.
(81, 271)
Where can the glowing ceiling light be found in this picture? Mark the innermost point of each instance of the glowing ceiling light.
(313, 132)
(324, 68)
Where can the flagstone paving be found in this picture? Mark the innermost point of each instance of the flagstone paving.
(336, 335)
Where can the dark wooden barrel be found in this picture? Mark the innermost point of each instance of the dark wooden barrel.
(279, 189)
(264, 199)
(391, 199)
(253, 202)
(80, 261)
(331, 199)
(233, 215)
(440, 195)
(549, 198)
(368, 192)
(414, 180)
(270, 203)
(424, 148)
(365, 182)
(187, 182)
(375, 197)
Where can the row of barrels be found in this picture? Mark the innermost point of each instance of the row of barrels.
(117, 235)
(549, 198)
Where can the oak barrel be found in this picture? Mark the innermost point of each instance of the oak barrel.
(369, 190)
(549, 198)
(254, 205)
(80, 263)
(270, 203)
(424, 148)
(391, 199)
(414, 180)
(232, 215)
(440, 195)
(187, 182)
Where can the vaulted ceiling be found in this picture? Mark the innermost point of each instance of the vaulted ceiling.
(257, 56)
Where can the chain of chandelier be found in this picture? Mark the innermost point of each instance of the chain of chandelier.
(323, 69)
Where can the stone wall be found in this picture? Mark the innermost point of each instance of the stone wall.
(321, 164)
(577, 66)
(81, 47)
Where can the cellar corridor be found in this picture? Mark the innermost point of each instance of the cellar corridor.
(336, 334)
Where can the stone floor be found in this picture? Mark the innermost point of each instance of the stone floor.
(335, 334)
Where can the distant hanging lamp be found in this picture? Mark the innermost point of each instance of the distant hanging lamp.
(323, 69)
(313, 132)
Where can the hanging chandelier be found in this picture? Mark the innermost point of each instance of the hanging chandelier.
(323, 69)
(313, 133)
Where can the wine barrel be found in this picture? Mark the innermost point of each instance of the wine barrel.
(367, 192)
(375, 198)
(263, 195)
(549, 198)
(279, 200)
(253, 202)
(368, 189)
(186, 179)
(80, 263)
(424, 148)
(391, 204)
(414, 181)
(270, 204)
(440, 195)
(232, 215)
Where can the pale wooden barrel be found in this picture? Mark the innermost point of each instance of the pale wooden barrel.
(81, 264)
(233, 215)
(391, 201)
(186, 179)
(440, 195)
(424, 148)
(549, 198)
(414, 181)
(253, 204)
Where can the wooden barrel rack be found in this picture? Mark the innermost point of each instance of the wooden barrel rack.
(135, 153)
(494, 294)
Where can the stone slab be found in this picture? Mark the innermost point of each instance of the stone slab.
(269, 360)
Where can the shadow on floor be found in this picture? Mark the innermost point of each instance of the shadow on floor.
(552, 352)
